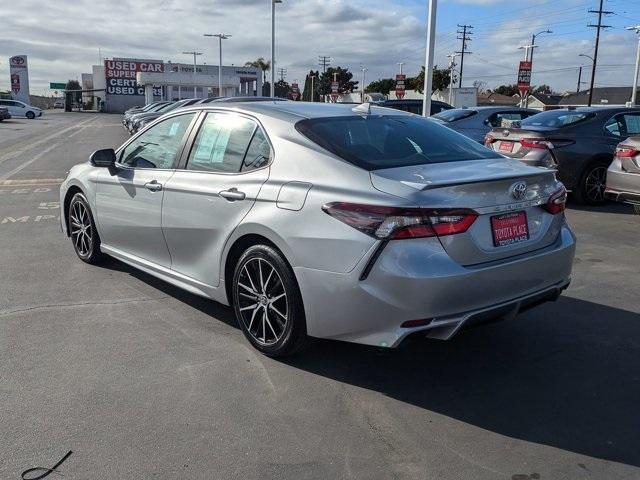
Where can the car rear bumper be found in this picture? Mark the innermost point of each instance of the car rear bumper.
(416, 280)
(624, 197)
(622, 186)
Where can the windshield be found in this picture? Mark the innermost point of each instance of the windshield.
(455, 114)
(377, 142)
(556, 119)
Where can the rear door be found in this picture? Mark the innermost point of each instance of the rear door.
(216, 186)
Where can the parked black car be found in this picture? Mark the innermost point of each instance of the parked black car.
(476, 122)
(414, 106)
(4, 114)
(580, 143)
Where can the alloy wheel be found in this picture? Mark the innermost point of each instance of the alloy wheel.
(81, 229)
(595, 183)
(263, 303)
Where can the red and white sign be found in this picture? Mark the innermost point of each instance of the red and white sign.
(524, 78)
(510, 228)
(400, 86)
(295, 91)
(15, 82)
(335, 88)
(121, 75)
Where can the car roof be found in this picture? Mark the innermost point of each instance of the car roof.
(294, 111)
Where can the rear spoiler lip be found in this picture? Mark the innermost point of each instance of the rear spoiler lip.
(452, 183)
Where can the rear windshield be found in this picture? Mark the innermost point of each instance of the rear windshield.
(389, 141)
(455, 114)
(555, 119)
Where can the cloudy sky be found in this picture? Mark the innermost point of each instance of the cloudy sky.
(62, 38)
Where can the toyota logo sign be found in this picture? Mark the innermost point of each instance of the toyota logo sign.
(519, 190)
(17, 60)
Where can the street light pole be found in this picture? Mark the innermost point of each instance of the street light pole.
(452, 64)
(364, 70)
(634, 88)
(428, 57)
(195, 54)
(312, 78)
(273, 46)
(533, 45)
(221, 36)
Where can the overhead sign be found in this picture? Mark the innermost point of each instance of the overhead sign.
(524, 78)
(295, 91)
(19, 74)
(120, 75)
(335, 89)
(57, 86)
(400, 86)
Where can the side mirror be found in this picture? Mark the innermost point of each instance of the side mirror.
(103, 158)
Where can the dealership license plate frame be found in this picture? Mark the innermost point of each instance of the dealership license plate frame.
(512, 239)
(506, 146)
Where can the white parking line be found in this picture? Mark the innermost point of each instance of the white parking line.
(29, 162)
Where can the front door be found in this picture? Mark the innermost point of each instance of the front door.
(209, 197)
(129, 199)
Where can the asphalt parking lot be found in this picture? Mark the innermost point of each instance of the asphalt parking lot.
(142, 380)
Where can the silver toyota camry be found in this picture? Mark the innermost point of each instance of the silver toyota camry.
(355, 223)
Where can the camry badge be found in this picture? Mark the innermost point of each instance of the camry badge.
(519, 190)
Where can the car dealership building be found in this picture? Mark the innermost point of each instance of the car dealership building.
(123, 83)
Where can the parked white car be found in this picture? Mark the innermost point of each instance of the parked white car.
(21, 109)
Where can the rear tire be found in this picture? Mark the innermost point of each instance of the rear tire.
(82, 230)
(267, 302)
(590, 189)
(31, 115)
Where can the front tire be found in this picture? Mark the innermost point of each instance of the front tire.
(593, 181)
(267, 302)
(31, 115)
(82, 230)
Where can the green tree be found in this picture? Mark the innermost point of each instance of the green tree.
(544, 89)
(306, 93)
(509, 90)
(344, 79)
(384, 86)
(76, 97)
(441, 79)
(283, 89)
(261, 64)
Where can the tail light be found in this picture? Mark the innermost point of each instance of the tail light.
(536, 143)
(626, 151)
(557, 202)
(488, 140)
(393, 223)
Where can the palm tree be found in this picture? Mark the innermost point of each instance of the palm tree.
(262, 64)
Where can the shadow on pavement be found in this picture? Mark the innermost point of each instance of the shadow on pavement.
(565, 374)
(608, 207)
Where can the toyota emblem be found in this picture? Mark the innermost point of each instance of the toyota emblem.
(505, 133)
(519, 190)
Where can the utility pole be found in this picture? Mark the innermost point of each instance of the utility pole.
(579, 79)
(598, 27)
(466, 31)
(452, 64)
(283, 73)
(324, 61)
(195, 54)
(400, 65)
(312, 77)
(634, 88)
(221, 36)
(428, 58)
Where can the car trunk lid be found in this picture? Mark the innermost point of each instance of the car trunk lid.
(489, 188)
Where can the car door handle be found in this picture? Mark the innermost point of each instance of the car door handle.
(232, 194)
(153, 186)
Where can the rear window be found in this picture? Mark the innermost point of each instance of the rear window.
(455, 114)
(377, 142)
(556, 119)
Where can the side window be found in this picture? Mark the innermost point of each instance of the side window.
(259, 152)
(221, 143)
(632, 123)
(158, 146)
(614, 126)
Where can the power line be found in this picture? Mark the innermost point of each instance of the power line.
(324, 61)
(598, 27)
(466, 31)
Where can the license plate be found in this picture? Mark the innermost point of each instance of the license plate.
(506, 146)
(509, 229)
